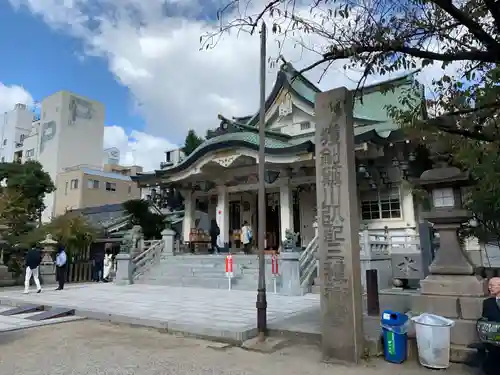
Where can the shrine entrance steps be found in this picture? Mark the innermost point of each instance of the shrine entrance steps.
(207, 271)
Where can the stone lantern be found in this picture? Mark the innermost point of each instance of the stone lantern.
(451, 272)
(47, 267)
(451, 289)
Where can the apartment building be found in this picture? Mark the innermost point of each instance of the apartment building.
(14, 127)
(90, 186)
(111, 156)
(68, 131)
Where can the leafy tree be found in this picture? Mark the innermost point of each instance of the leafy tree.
(14, 214)
(31, 182)
(388, 36)
(191, 142)
(460, 115)
(71, 230)
(151, 223)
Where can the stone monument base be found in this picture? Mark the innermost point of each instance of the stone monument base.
(459, 298)
(455, 285)
(6, 277)
(47, 273)
(290, 274)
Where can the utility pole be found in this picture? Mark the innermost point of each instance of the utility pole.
(261, 289)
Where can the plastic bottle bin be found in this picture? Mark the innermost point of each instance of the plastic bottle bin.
(394, 330)
(433, 340)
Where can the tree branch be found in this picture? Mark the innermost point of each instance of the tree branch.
(494, 8)
(448, 123)
(339, 54)
(469, 23)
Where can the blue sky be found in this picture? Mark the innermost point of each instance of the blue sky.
(44, 61)
(143, 61)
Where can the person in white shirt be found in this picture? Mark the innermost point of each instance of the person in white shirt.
(246, 237)
(61, 261)
(108, 265)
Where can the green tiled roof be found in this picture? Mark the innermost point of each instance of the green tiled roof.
(249, 137)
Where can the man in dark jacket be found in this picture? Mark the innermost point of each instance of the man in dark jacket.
(491, 312)
(32, 263)
(98, 265)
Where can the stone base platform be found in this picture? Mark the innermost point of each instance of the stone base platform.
(463, 310)
(222, 315)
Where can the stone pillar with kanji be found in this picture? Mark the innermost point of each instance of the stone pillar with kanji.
(338, 226)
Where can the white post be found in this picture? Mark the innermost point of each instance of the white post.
(286, 210)
(274, 284)
(222, 216)
(187, 222)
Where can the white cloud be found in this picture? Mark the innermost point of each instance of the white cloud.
(157, 57)
(11, 95)
(137, 148)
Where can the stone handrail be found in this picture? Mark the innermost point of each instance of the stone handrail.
(308, 262)
(373, 243)
(146, 259)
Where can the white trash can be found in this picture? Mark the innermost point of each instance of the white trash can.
(433, 340)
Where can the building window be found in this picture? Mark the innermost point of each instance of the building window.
(305, 125)
(22, 138)
(381, 204)
(30, 153)
(443, 197)
(3, 159)
(130, 189)
(93, 184)
(66, 188)
(4, 142)
(110, 186)
(168, 157)
(74, 184)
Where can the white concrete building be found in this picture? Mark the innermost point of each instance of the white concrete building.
(111, 156)
(14, 127)
(69, 132)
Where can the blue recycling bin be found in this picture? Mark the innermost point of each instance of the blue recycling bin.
(394, 330)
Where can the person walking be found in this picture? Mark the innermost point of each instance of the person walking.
(246, 237)
(99, 265)
(32, 263)
(108, 266)
(214, 233)
(61, 261)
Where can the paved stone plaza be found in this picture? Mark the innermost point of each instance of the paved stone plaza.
(20, 321)
(90, 348)
(211, 313)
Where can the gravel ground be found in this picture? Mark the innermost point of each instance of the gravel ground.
(94, 348)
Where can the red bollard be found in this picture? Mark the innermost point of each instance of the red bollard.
(229, 264)
(275, 266)
(275, 270)
(229, 269)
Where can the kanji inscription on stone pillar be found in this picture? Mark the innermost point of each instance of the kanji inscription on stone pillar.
(338, 227)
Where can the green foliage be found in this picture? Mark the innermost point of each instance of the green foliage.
(31, 182)
(71, 230)
(459, 115)
(191, 142)
(151, 223)
(384, 37)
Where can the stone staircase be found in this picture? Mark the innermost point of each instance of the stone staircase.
(207, 271)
